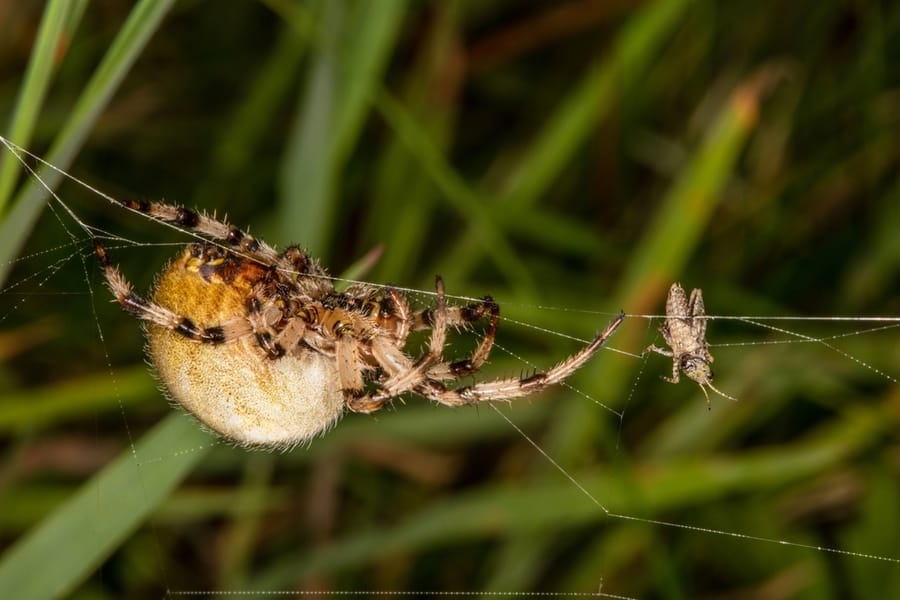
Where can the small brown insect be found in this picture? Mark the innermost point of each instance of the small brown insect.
(685, 333)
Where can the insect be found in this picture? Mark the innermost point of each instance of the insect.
(685, 332)
(260, 347)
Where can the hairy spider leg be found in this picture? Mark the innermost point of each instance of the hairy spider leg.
(292, 261)
(409, 375)
(513, 387)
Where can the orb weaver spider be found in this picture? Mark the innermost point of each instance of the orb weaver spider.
(260, 347)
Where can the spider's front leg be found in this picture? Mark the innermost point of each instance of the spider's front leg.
(308, 275)
(510, 388)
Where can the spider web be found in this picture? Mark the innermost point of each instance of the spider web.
(842, 349)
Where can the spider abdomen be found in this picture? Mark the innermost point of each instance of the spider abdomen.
(232, 387)
(250, 400)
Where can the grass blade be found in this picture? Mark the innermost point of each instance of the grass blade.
(63, 550)
(142, 22)
(573, 123)
(60, 19)
(348, 61)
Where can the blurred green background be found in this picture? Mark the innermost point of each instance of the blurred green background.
(570, 158)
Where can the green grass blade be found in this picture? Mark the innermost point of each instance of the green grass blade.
(348, 60)
(30, 410)
(136, 31)
(69, 544)
(403, 198)
(574, 122)
(308, 170)
(688, 206)
(456, 192)
(233, 162)
(59, 20)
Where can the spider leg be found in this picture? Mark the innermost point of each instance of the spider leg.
(507, 389)
(457, 316)
(347, 357)
(136, 305)
(402, 316)
(470, 365)
(292, 261)
(461, 316)
(390, 310)
(397, 366)
(310, 278)
(275, 341)
(412, 375)
(266, 337)
(407, 379)
(349, 338)
(206, 225)
(259, 320)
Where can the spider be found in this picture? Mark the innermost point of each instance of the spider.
(260, 347)
(685, 333)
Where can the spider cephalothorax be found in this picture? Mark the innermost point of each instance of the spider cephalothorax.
(262, 349)
(685, 332)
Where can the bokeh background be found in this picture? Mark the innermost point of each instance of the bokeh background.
(571, 158)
